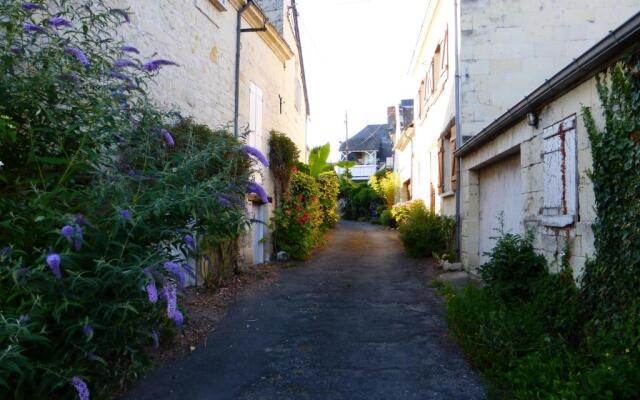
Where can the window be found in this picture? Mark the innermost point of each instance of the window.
(444, 57)
(422, 97)
(447, 167)
(430, 80)
(560, 174)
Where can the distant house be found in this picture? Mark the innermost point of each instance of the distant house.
(371, 149)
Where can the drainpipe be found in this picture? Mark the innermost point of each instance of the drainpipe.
(458, 136)
(236, 110)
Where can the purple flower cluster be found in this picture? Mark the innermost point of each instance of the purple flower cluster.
(152, 292)
(124, 63)
(58, 22)
(122, 13)
(126, 215)
(177, 272)
(224, 202)
(155, 65)
(28, 27)
(29, 6)
(88, 331)
(190, 242)
(252, 151)
(53, 261)
(172, 299)
(130, 49)
(6, 251)
(73, 235)
(253, 187)
(81, 388)
(168, 137)
(79, 55)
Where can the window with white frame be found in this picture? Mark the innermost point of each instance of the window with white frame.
(560, 206)
(255, 138)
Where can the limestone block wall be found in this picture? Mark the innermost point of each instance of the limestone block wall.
(198, 37)
(508, 48)
(528, 141)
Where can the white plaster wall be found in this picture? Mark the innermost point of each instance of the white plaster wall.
(439, 18)
(509, 47)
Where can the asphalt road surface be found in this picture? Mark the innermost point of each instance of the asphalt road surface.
(357, 322)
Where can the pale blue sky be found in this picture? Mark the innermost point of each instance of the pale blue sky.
(357, 54)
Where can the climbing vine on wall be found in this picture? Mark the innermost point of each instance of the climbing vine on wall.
(612, 279)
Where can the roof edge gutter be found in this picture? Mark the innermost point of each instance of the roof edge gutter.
(594, 60)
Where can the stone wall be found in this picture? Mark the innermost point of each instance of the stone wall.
(528, 142)
(508, 48)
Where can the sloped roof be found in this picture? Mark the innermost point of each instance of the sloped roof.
(372, 137)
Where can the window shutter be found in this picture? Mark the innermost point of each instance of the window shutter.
(430, 80)
(454, 165)
(440, 165)
(560, 174)
(444, 56)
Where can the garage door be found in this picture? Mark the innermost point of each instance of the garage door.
(500, 199)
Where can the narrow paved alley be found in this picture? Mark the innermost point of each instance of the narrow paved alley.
(359, 321)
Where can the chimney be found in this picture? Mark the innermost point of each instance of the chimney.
(391, 117)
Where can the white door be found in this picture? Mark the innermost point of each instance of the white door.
(258, 233)
(500, 201)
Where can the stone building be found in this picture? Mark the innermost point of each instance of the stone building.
(473, 60)
(370, 149)
(530, 167)
(202, 37)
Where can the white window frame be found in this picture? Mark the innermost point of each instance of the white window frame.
(256, 137)
(560, 166)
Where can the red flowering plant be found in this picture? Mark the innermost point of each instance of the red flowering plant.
(297, 221)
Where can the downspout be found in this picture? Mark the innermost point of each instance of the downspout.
(458, 137)
(236, 110)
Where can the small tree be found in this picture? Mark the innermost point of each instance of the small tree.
(283, 156)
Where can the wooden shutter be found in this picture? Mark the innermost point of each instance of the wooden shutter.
(454, 165)
(444, 56)
(255, 138)
(430, 80)
(560, 174)
(441, 165)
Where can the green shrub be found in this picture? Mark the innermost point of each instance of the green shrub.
(283, 157)
(400, 211)
(513, 267)
(384, 184)
(359, 200)
(297, 222)
(329, 189)
(387, 220)
(424, 233)
(96, 198)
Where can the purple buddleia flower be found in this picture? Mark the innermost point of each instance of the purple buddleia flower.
(172, 301)
(83, 221)
(58, 22)
(253, 187)
(29, 6)
(155, 65)
(224, 202)
(79, 55)
(168, 137)
(6, 251)
(32, 28)
(24, 318)
(67, 231)
(152, 292)
(256, 153)
(17, 50)
(123, 63)
(126, 215)
(73, 78)
(178, 318)
(53, 261)
(122, 13)
(88, 331)
(130, 49)
(81, 388)
(156, 339)
(177, 272)
(190, 242)
(122, 77)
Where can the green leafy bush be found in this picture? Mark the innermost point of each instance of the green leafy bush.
(283, 156)
(99, 192)
(329, 189)
(400, 211)
(384, 184)
(513, 267)
(297, 222)
(424, 232)
(387, 220)
(359, 200)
